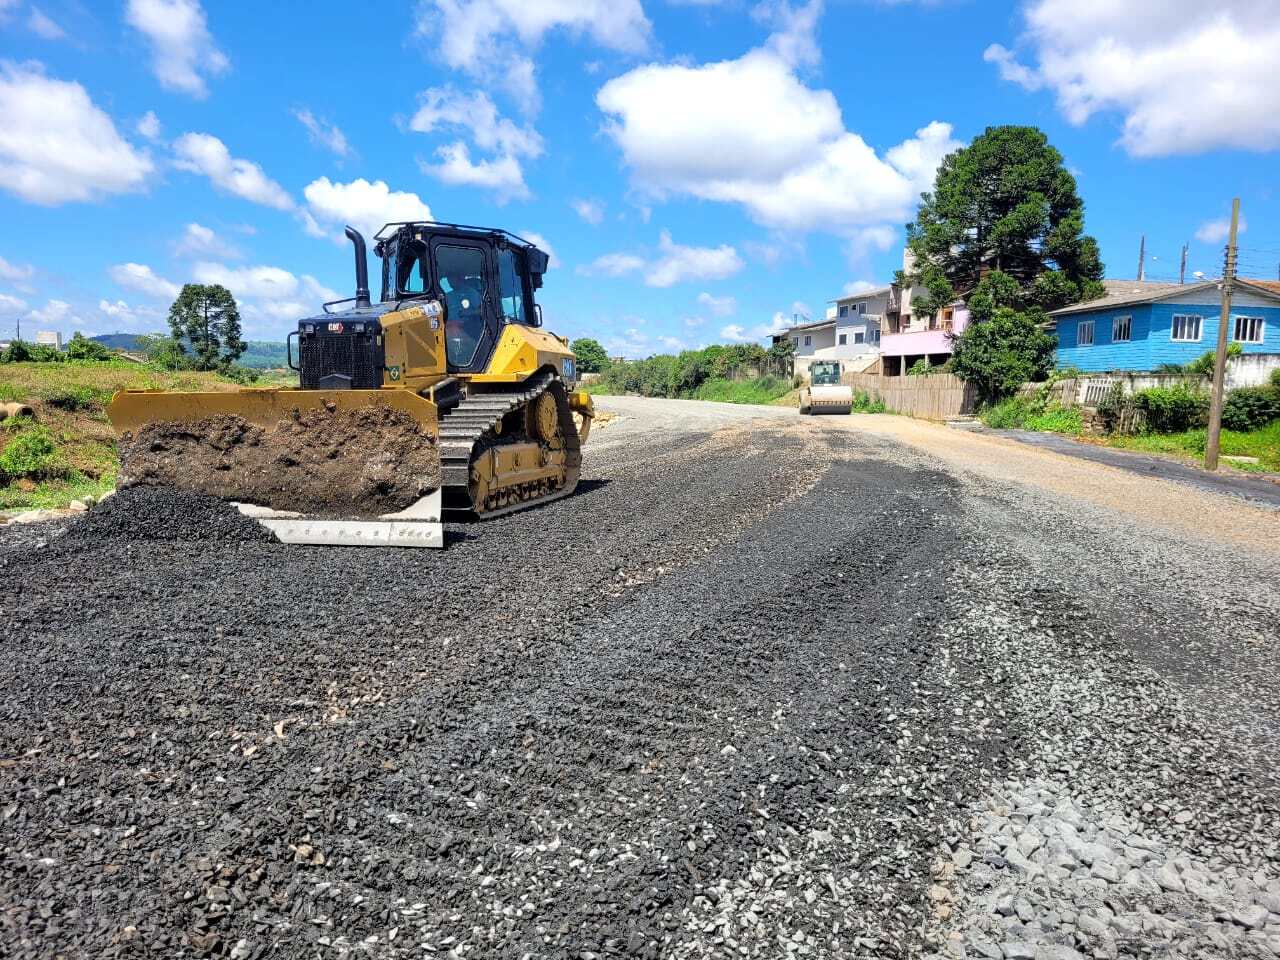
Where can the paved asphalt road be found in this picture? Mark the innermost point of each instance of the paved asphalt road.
(765, 686)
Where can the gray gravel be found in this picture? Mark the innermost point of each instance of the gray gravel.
(751, 692)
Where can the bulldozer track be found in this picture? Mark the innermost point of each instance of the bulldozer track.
(463, 426)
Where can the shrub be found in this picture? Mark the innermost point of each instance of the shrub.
(19, 351)
(1172, 409)
(1251, 408)
(921, 368)
(863, 402)
(1202, 366)
(33, 455)
(1056, 419)
(76, 398)
(1009, 414)
(998, 355)
(80, 347)
(241, 375)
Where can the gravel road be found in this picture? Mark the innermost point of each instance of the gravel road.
(765, 686)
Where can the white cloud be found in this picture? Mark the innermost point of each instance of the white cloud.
(502, 174)
(735, 333)
(591, 211)
(149, 126)
(677, 263)
(140, 277)
(1217, 231)
(613, 265)
(205, 154)
(361, 204)
(15, 272)
(485, 37)
(445, 108)
(448, 108)
(794, 38)
(323, 133)
(11, 306)
(673, 264)
(41, 25)
(201, 241)
(128, 315)
(1162, 67)
(748, 131)
(268, 296)
(692, 322)
(719, 306)
(539, 241)
(56, 146)
(273, 283)
(56, 314)
(854, 287)
(183, 52)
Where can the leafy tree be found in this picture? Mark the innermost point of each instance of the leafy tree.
(165, 352)
(1007, 204)
(205, 319)
(1002, 351)
(592, 357)
(18, 351)
(80, 347)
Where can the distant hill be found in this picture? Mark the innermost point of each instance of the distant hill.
(258, 354)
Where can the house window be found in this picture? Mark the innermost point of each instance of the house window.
(1084, 334)
(859, 336)
(844, 309)
(1186, 328)
(808, 341)
(874, 335)
(1249, 330)
(1121, 329)
(795, 341)
(862, 308)
(844, 339)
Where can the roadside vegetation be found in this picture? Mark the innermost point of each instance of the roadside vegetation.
(735, 373)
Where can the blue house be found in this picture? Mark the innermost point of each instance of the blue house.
(1140, 325)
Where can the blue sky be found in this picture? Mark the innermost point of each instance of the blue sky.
(700, 170)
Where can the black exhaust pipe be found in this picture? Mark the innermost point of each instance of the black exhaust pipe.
(362, 268)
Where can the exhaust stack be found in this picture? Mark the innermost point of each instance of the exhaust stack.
(362, 267)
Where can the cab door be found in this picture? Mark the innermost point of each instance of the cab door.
(464, 280)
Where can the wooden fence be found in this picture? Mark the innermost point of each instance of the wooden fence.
(937, 396)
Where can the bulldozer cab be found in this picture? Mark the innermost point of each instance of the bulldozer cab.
(484, 279)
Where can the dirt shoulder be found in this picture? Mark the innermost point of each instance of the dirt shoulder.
(1160, 503)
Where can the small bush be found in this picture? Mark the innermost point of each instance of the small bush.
(241, 375)
(1203, 365)
(921, 368)
(1172, 409)
(1056, 419)
(33, 455)
(1250, 408)
(80, 347)
(77, 398)
(1009, 414)
(863, 402)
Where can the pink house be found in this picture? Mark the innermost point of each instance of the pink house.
(907, 338)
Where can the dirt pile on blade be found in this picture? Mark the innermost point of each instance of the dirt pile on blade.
(353, 463)
(162, 513)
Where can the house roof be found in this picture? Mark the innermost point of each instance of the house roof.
(815, 325)
(862, 295)
(1123, 293)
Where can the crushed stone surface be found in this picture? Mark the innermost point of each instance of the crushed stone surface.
(758, 689)
(164, 514)
(354, 463)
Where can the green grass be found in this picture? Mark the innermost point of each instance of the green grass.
(1189, 444)
(763, 390)
(1019, 413)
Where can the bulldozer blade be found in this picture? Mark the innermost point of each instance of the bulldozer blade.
(130, 410)
(415, 526)
(338, 467)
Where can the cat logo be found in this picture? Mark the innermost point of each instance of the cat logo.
(394, 372)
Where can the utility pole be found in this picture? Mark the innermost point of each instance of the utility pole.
(1182, 270)
(1142, 258)
(1220, 359)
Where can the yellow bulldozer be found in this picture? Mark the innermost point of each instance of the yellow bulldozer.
(445, 394)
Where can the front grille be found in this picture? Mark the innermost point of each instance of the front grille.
(328, 359)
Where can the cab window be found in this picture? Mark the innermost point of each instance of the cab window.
(411, 268)
(462, 283)
(512, 284)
